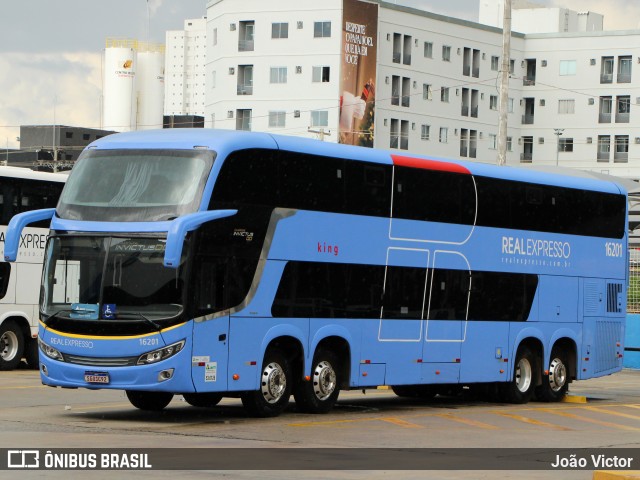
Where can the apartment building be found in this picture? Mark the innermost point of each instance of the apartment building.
(185, 72)
(379, 74)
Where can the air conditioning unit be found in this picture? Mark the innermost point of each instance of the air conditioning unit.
(296, 114)
(298, 69)
(543, 63)
(300, 25)
(541, 140)
(592, 101)
(589, 140)
(232, 71)
(232, 27)
(637, 140)
(542, 102)
(592, 61)
(230, 114)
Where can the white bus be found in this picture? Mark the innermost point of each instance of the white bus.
(22, 190)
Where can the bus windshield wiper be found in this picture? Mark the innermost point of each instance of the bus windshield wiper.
(55, 316)
(138, 314)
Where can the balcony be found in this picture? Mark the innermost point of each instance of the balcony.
(396, 57)
(245, 45)
(621, 157)
(528, 82)
(474, 112)
(604, 156)
(406, 59)
(464, 111)
(526, 157)
(527, 119)
(606, 78)
(472, 152)
(466, 70)
(622, 117)
(624, 78)
(245, 89)
(604, 118)
(463, 151)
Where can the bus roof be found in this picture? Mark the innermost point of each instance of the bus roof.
(28, 174)
(224, 142)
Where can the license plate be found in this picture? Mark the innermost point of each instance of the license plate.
(96, 377)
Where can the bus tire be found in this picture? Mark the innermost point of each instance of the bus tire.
(320, 393)
(275, 387)
(11, 345)
(555, 384)
(202, 400)
(521, 387)
(424, 392)
(31, 352)
(151, 401)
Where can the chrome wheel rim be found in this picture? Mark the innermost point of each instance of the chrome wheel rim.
(557, 374)
(274, 382)
(524, 374)
(8, 346)
(324, 380)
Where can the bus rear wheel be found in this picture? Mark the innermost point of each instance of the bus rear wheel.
(320, 393)
(521, 387)
(555, 384)
(151, 401)
(275, 387)
(202, 400)
(11, 345)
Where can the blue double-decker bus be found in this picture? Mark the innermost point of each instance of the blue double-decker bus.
(217, 264)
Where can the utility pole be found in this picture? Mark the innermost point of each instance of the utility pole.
(320, 132)
(504, 83)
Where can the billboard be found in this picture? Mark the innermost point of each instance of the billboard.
(358, 72)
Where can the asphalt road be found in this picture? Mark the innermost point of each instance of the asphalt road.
(603, 413)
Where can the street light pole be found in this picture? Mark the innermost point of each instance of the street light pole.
(558, 132)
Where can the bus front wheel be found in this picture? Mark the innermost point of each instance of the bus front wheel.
(320, 393)
(555, 383)
(275, 387)
(152, 401)
(521, 387)
(11, 345)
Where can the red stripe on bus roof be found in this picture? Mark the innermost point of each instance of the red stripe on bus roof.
(428, 164)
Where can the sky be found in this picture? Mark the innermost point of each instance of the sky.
(50, 51)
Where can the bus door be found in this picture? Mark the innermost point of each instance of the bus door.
(401, 317)
(210, 351)
(446, 315)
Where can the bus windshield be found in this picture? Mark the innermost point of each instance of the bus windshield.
(135, 185)
(110, 278)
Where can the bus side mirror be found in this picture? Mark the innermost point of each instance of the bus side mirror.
(178, 229)
(17, 224)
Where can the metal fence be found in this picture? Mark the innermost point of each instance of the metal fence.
(633, 294)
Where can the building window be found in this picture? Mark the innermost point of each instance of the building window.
(427, 93)
(604, 148)
(399, 134)
(444, 94)
(568, 67)
(606, 70)
(509, 144)
(319, 118)
(321, 29)
(606, 107)
(566, 106)
(565, 144)
(425, 131)
(86, 136)
(280, 30)
(213, 79)
(68, 134)
(444, 134)
(243, 119)
(510, 105)
(320, 74)
(621, 153)
(278, 75)
(493, 102)
(428, 50)
(512, 66)
(623, 108)
(277, 119)
(624, 69)
(245, 36)
(215, 37)
(493, 141)
(446, 53)
(495, 63)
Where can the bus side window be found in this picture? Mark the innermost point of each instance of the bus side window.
(5, 273)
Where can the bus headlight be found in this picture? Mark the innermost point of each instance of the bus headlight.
(160, 354)
(50, 351)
